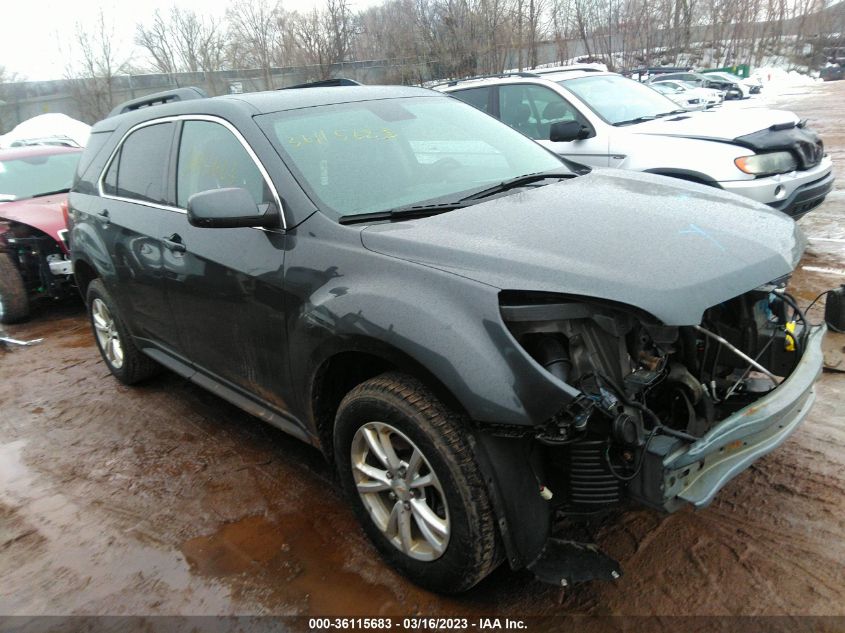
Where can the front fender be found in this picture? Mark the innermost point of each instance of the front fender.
(711, 161)
(446, 324)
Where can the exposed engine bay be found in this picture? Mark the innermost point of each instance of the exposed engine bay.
(43, 263)
(641, 384)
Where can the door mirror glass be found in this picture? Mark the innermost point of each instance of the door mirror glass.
(228, 208)
(565, 131)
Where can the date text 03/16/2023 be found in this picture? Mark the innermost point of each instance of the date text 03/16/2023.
(416, 624)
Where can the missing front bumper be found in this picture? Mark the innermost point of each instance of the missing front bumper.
(675, 473)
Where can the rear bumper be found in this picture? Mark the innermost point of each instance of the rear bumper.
(676, 473)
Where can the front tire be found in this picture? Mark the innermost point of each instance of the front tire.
(125, 361)
(14, 300)
(406, 463)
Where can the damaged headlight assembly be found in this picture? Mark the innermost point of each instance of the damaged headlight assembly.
(767, 164)
(642, 391)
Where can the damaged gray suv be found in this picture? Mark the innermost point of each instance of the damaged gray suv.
(489, 344)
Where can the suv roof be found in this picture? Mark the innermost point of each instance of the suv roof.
(551, 75)
(260, 102)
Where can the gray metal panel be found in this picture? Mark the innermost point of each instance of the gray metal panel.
(668, 247)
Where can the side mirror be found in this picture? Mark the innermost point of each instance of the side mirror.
(564, 131)
(228, 208)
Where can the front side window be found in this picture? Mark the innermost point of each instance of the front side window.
(369, 156)
(211, 157)
(141, 172)
(533, 109)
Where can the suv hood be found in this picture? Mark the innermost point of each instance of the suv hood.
(715, 124)
(668, 247)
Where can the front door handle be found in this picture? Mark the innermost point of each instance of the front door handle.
(174, 243)
(104, 216)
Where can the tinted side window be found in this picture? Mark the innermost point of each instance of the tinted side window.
(95, 144)
(110, 181)
(142, 172)
(533, 109)
(476, 97)
(210, 157)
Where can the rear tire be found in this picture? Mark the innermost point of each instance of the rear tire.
(14, 300)
(406, 463)
(128, 364)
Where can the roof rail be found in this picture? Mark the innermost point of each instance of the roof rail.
(159, 98)
(660, 70)
(455, 82)
(324, 83)
(568, 69)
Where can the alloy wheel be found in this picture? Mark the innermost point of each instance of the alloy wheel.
(400, 491)
(107, 336)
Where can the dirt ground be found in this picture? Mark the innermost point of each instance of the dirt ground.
(163, 499)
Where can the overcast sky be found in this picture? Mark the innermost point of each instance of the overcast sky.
(28, 28)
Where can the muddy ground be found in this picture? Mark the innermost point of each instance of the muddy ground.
(163, 499)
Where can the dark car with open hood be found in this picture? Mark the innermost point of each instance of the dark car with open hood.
(490, 344)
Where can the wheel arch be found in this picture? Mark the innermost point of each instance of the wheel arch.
(344, 369)
(684, 174)
(84, 273)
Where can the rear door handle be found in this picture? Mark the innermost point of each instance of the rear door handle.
(104, 216)
(174, 243)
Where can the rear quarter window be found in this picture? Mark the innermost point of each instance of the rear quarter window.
(476, 97)
(95, 145)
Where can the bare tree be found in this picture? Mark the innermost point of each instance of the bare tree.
(313, 40)
(423, 39)
(6, 76)
(157, 40)
(92, 74)
(255, 34)
(536, 10)
(184, 41)
(340, 25)
(561, 22)
(493, 29)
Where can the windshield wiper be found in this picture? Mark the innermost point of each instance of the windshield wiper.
(402, 213)
(519, 181)
(51, 193)
(639, 119)
(649, 117)
(426, 210)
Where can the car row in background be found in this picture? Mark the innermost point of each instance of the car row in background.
(603, 119)
(731, 88)
(34, 181)
(753, 85)
(688, 96)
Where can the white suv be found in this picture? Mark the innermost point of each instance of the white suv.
(602, 119)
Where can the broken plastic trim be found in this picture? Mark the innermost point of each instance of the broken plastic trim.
(563, 563)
